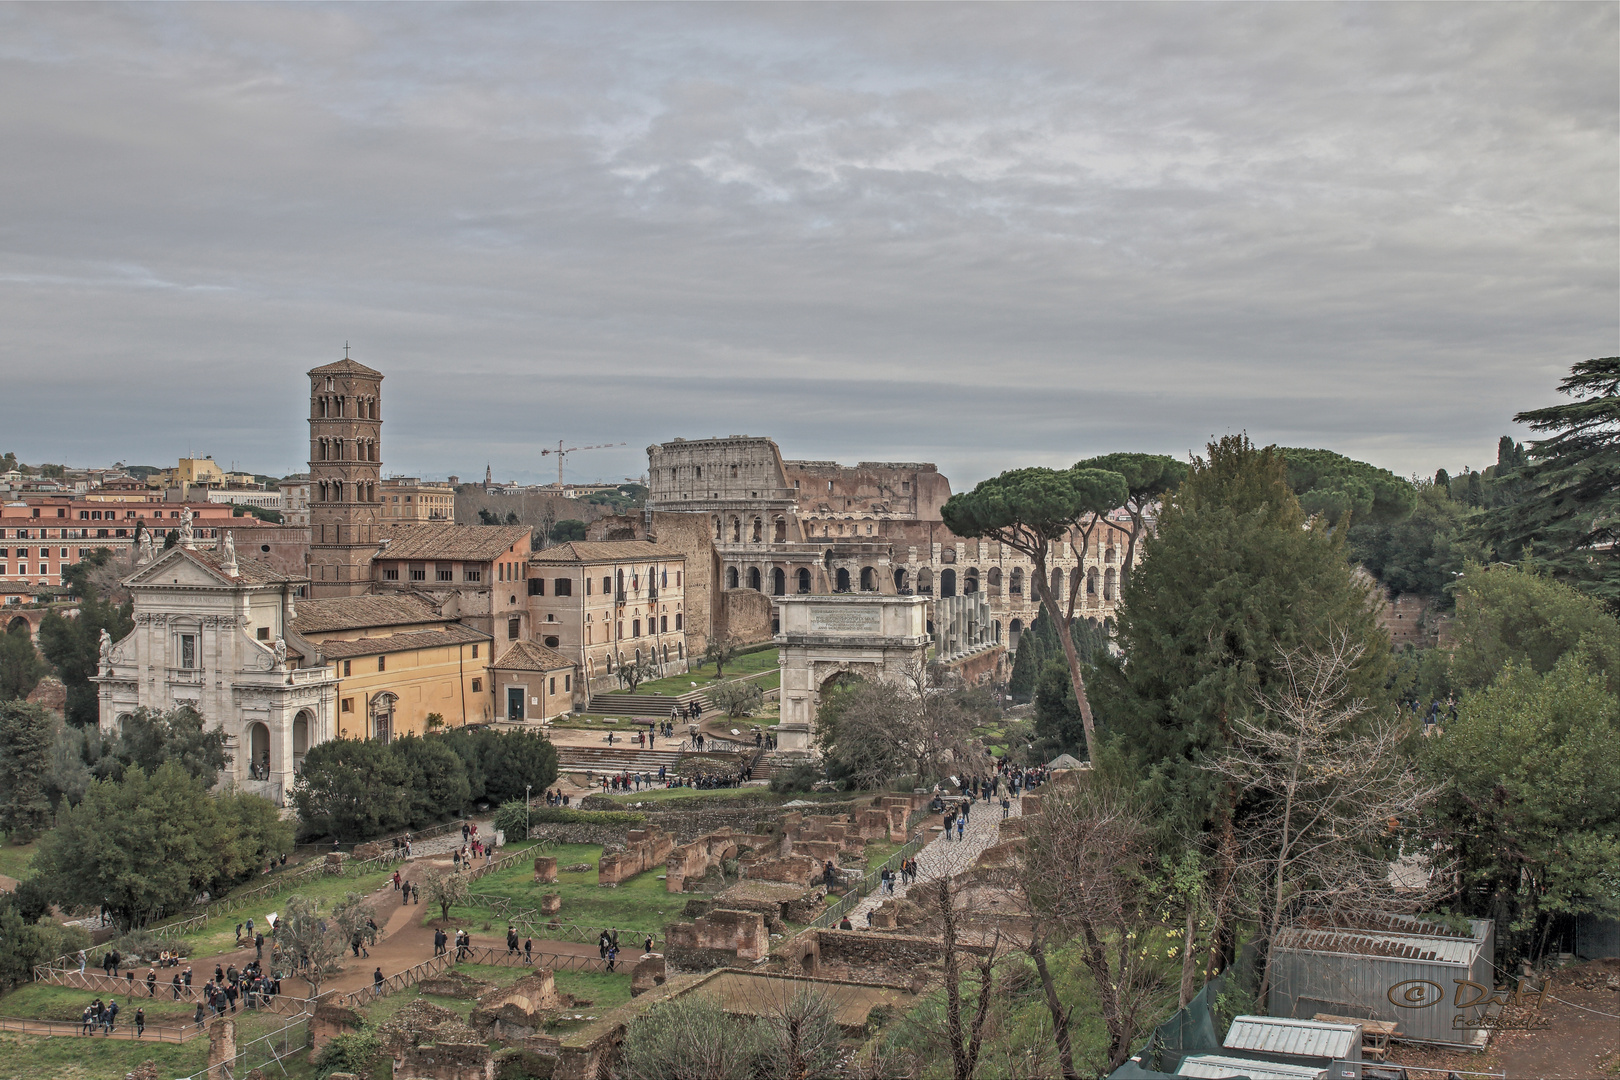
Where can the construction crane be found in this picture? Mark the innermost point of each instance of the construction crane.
(563, 451)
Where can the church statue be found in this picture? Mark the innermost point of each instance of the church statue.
(281, 653)
(106, 648)
(230, 550)
(187, 538)
(146, 550)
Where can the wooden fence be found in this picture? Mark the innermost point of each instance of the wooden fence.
(135, 990)
(125, 1029)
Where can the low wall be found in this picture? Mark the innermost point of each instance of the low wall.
(719, 939)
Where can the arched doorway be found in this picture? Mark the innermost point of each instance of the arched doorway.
(868, 579)
(753, 578)
(804, 581)
(842, 580)
(18, 625)
(778, 582)
(731, 577)
(925, 581)
(382, 716)
(947, 582)
(900, 579)
(300, 733)
(258, 751)
(1014, 630)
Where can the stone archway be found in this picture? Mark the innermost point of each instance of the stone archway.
(258, 740)
(821, 637)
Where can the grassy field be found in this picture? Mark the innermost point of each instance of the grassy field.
(703, 674)
(219, 933)
(14, 858)
(640, 904)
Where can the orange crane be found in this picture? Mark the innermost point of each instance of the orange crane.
(563, 451)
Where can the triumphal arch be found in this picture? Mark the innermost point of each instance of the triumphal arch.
(871, 635)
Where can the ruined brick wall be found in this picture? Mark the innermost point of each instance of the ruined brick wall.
(1414, 620)
(746, 615)
(863, 949)
(722, 937)
(689, 534)
(446, 1061)
(644, 849)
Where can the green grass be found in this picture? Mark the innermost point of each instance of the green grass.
(36, 1057)
(639, 904)
(666, 794)
(703, 674)
(14, 858)
(602, 990)
(219, 933)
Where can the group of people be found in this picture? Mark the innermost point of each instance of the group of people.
(677, 713)
(906, 875)
(556, 798)
(104, 1018)
(512, 945)
(441, 941)
(412, 894)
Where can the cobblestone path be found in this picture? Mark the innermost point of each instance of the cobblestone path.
(940, 856)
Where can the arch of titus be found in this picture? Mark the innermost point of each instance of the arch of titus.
(866, 634)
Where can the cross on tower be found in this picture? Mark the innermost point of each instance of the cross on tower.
(345, 350)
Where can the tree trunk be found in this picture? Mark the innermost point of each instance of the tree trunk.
(1107, 996)
(1060, 1015)
(1189, 966)
(1050, 606)
(1225, 866)
(961, 1067)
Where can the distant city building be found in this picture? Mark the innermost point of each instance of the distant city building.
(407, 499)
(256, 497)
(39, 536)
(472, 572)
(532, 683)
(295, 500)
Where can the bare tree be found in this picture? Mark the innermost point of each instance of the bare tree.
(446, 890)
(1085, 873)
(313, 942)
(633, 672)
(1328, 796)
(889, 727)
(719, 652)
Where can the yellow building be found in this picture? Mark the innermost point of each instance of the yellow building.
(407, 498)
(398, 660)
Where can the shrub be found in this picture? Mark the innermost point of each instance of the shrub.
(799, 778)
(513, 818)
(689, 1038)
(737, 699)
(562, 815)
(351, 1052)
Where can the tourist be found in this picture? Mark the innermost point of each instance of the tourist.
(612, 957)
(511, 940)
(81, 961)
(85, 1021)
(396, 872)
(176, 985)
(377, 980)
(528, 950)
(1006, 807)
(961, 827)
(188, 976)
(845, 924)
(140, 1023)
(109, 1017)
(258, 946)
(439, 939)
(238, 934)
(199, 1016)
(151, 982)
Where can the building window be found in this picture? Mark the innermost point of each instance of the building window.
(635, 627)
(677, 620)
(513, 628)
(391, 573)
(348, 667)
(663, 624)
(475, 650)
(568, 683)
(444, 574)
(472, 575)
(188, 649)
(553, 685)
(478, 686)
(537, 586)
(346, 705)
(587, 586)
(563, 587)
(264, 633)
(382, 663)
(418, 573)
(607, 585)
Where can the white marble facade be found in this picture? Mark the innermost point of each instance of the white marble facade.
(212, 630)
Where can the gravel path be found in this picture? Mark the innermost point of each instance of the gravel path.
(940, 856)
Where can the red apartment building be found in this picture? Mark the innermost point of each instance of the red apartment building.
(41, 536)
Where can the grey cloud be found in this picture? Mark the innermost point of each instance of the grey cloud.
(983, 235)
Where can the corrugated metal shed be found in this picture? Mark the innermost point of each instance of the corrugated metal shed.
(1218, 1067)
(1300, 1038)
(1392, 968)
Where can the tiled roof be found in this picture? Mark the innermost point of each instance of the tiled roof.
(605, 551)
(363, 612)
(468, 543)
(527, 656)
(250, 571)
(404, 641)
(345, 366)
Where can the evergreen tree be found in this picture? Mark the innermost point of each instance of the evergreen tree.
(27, 738)
(1569, 513)
(73, 645)
(1058, 727)
(1027, 665)
(438, 778)
(351, 789)
(20, 665)
(1513, 615)
(1442, 482)
(1234, 575)
(513, 759)
(148, 738)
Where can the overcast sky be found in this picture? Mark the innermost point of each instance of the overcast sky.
(987, 236)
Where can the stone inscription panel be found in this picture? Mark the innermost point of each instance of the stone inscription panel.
(842, 620)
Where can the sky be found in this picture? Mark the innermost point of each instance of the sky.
(987, 236)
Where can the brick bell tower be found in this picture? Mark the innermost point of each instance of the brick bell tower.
(345, 463)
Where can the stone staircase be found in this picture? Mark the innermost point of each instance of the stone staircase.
(647, 706)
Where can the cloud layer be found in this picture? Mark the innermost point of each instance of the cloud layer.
(984, 235)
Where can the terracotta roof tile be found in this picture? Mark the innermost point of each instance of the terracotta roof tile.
(627, 551)
(363, 612)
(468, 543)
(251, 571)
(404, 641)
(345, 366)
(528, 656)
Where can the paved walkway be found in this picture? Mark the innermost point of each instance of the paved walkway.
(941, 856)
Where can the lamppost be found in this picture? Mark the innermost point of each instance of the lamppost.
(526, 789)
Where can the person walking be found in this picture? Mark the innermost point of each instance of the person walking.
(109, 1017)
(176, 985)
(1006, 807)
(82, 959)
(528, 950)
(187, 979)
(140, 1023)
(377, 980)
(85, 1022)
(961, 828)
(511, 941)
(258, 946)
(151, 982)
(199, 1016)
(438, 942)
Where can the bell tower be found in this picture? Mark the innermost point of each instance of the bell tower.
(345, 463)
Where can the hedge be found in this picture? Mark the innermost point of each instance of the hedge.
(562, 815)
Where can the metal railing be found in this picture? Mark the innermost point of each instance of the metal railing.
(273, 1048)
(135, 991)
(869, 883)
(125, 1030)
